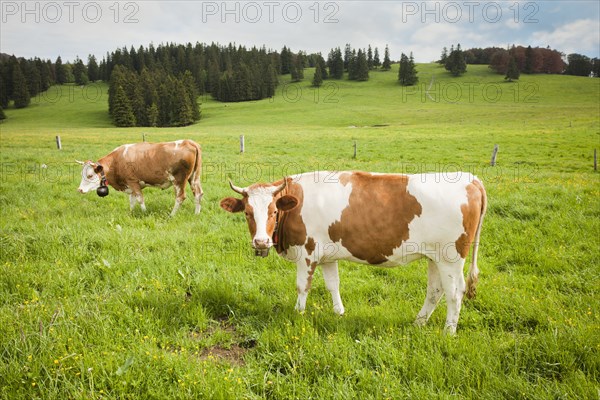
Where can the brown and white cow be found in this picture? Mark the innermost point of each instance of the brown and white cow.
(318, 218)
(131, 167)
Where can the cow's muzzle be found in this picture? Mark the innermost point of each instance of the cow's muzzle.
(261, 247)
(261, 252)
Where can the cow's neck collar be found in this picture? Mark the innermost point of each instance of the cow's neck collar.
(102, 173)
(279, 223)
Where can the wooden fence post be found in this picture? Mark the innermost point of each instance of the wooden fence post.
(494, 154)
(355, 146)
(595, 160)
(143, 137)
(242, 144)
(58, 143)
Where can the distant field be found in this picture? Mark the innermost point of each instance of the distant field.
(98, 302)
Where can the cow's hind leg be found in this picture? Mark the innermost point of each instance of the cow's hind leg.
(197, 190)
(304, 274)
(332, 281)
(434, 294)
(453, 282)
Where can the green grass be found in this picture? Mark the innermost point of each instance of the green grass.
(98, 302)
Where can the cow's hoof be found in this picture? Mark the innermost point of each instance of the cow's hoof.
(450, 330)
(420, 322)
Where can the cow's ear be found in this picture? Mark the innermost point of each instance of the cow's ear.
(97, 168)
(232, 205)
(286, 203)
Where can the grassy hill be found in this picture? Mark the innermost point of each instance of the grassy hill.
(98, 302)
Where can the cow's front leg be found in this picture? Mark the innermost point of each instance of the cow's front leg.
(304, 274)
(179, 196)
(136, 196)
(434, 294)
(132, 201)
(332, 282)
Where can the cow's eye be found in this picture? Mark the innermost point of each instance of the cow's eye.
(90, 176)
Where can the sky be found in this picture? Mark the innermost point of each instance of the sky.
(70, 29)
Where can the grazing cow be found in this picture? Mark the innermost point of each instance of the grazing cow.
(318, 218)
(132, 167)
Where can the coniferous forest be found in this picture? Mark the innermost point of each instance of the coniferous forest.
(159, 86)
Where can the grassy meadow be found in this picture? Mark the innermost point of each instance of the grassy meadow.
(100, 303)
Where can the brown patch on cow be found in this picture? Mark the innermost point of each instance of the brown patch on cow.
(344, 178)
(313, 267)
(307, 262)
(376, 220)
(310, 245)
(291, 230)
(471, 212)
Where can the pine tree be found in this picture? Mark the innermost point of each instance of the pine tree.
(164, 104)
(297, 69)
(45, 76)
(33, 78)
(183, 113)
(387, 64)
(370, 58)
(61, 73)
(513, 71)
(455, 63)
(117, 78)
(80, 72)
(352, 66)
(269, 81)
(407, 74)
(190, 87)
(122, 112)
(336, 64)
(93, 69)
(529, 60)
(444, 56)
(2, 115)
(321, 62)
(4, 99)
(20, 94)
(347, 57)
(286, 61)
(318, 77)
(376, 60)
(152, 115)
(362, 66)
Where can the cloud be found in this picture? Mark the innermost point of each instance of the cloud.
(301, 25)
(580, 36)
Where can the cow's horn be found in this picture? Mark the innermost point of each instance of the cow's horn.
(280, 187)
(79, 162)
(236, 189)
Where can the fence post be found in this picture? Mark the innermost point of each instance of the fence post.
(242, 144)
(58, 143)
(355, 146)
(143, 137)
(494, 154)
(595, 160)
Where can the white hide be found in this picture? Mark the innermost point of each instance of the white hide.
(89, 179)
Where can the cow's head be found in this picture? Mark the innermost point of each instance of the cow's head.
(92, 177)
(260, 203)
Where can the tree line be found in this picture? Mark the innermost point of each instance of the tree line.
(533, 60)
(153, 83)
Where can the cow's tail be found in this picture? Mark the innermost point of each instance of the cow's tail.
(473, 273)
(197, 170)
